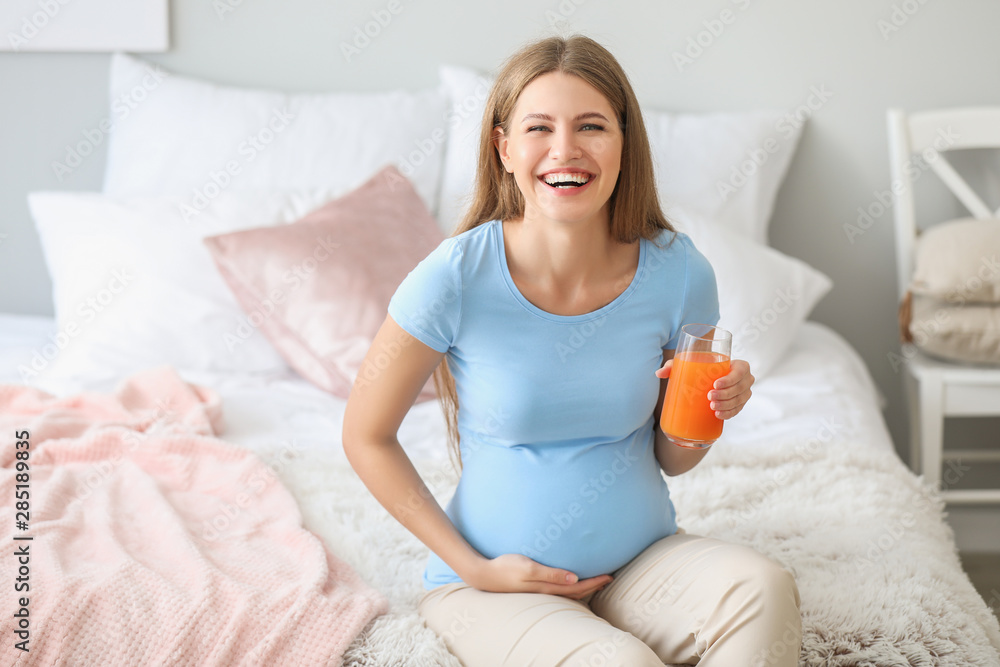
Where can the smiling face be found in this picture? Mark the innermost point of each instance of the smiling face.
(564, 148)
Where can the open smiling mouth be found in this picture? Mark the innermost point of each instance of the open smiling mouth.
(566, 181)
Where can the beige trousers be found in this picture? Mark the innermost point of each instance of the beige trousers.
(684, 600)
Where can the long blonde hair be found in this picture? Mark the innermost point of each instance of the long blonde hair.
(634, 210)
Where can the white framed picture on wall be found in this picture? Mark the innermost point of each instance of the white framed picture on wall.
(84, 25)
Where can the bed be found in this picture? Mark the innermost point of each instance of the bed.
(806, 474)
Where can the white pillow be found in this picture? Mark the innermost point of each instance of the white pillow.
(466, 91)
(697, 157)
(175, 135)
(134, 286)
(721, 168)
(764, 294)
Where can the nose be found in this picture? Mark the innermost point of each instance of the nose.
(565, 145)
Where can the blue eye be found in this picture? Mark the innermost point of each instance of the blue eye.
(588, 126)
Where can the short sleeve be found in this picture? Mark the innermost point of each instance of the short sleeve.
(428, 303)
(701, 293)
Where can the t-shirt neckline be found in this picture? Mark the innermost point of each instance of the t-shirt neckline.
(497, 231)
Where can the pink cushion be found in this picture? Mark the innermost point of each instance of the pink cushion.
(319, 288)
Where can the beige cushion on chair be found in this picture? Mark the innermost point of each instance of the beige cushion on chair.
(959, 261)
(953, 309)
(969, 333)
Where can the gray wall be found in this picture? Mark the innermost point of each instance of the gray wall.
(770, 55)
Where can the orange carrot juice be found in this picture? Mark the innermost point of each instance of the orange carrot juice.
(687, 412)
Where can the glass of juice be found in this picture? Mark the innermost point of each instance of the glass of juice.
(702, 357)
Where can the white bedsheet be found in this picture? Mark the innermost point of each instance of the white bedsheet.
(821, 387)
(810, 449)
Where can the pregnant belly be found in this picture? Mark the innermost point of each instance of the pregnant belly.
(588, 509)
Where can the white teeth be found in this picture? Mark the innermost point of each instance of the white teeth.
(552, 179)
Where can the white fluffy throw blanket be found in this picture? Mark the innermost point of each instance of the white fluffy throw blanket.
(876, 565)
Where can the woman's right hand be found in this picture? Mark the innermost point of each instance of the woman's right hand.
(380, 398)
(516, 573)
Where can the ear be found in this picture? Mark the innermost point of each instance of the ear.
(500, 143)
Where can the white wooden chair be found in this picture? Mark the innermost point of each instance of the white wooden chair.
(937, 389)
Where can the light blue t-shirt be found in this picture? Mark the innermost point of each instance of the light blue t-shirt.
(555, 412)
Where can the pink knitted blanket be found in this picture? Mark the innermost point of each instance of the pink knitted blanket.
(154, 543)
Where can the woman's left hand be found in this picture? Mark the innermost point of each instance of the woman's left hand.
(730, 392)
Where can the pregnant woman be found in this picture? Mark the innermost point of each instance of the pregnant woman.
(550, 319)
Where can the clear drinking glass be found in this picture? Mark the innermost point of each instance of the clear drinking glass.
(702, 357)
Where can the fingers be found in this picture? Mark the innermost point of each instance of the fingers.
(555, 586)
(583, 594)
(559, 577)
(731, 392)
(730, 408)
(583, 588)
(738, 381)
(739, 372)
(562, 577)
(664, 371)
(728, 402)
(511, 573)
